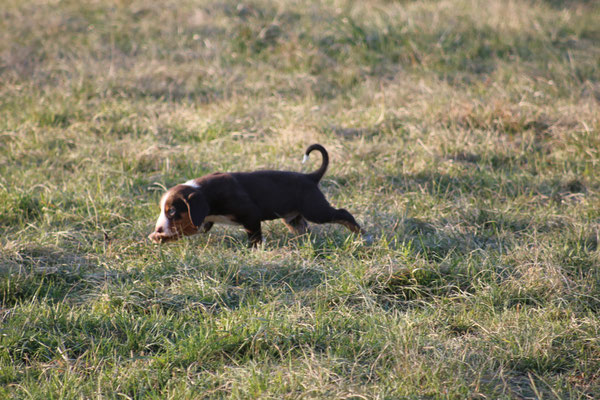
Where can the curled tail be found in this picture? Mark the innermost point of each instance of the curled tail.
(318, 174)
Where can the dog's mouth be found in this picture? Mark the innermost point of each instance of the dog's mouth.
(159, 237)
(177, 233)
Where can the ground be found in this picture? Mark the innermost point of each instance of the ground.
(463, 134)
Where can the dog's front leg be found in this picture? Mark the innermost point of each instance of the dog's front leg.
(206, 226)
(254, 233)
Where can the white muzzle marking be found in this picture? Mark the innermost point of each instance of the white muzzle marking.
(163, 221)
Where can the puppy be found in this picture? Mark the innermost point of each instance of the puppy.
(246, 199)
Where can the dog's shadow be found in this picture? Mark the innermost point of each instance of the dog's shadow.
(287, 264)
(318, 239)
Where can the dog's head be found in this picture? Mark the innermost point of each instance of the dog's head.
(182, 211)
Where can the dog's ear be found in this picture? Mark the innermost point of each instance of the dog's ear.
(197, 208)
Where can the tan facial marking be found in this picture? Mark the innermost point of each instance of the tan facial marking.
(172, 223)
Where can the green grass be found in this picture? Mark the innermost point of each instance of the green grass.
(464, 135)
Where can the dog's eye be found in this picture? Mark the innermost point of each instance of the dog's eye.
(171, 212)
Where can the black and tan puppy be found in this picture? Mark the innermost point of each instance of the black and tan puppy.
(246, 199)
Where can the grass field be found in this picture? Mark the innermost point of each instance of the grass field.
(463, 134)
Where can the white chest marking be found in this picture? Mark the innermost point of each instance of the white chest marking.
(221, 219)
(163, 221)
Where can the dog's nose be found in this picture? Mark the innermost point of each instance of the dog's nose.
(153, 237)
(160, 229)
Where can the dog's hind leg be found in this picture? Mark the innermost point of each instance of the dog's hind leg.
(337, 216)
(321, 212)
(296, 224)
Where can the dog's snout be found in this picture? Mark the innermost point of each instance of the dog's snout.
(154, 236)
(160, 229)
